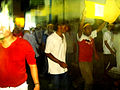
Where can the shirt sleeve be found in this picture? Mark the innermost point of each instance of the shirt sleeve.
(49, 45)
(94, 34)
(106, 36)
(30, 54)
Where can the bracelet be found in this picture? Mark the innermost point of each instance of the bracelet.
(36, 84)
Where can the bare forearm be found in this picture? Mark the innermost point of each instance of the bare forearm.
(52, 58)
(107, 45)
(62, 64)
(81, 24)
(34, 73)
(101, 26)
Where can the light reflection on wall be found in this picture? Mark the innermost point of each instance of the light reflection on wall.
(29, 21)
(111, 11)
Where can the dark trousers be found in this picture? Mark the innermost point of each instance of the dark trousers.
(109, 61)
(60, 81)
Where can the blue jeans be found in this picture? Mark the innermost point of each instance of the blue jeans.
(60, 81)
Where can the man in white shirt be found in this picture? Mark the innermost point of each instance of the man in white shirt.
(56, 52)
(108, 49)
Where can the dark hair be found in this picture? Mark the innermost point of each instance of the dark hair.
(55, 27)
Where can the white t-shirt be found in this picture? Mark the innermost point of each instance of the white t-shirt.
(57, 47)
(107, 36)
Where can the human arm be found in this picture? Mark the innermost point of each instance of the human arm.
(62, 64)
(34, 73)
(30, 58)
(107, 45)
(101, 26)
(81, 24)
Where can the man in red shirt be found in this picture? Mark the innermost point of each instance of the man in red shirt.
(13, 53)
(86, 46)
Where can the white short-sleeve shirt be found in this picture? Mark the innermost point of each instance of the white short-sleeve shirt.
(107, 36)
(57, 47)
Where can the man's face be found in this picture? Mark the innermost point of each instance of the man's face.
(4, 32)
(64, 29)
(67, 28)
(50, 28)
(110, 26)
(87, 31)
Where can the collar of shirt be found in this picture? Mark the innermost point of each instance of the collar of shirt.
(84, 37)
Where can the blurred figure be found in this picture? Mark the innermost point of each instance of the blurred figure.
(98, 75)
(18, 32)
(71, 53)
(31, 39)
(71, 47)
(14, 51)
(46, 33)
(109, 50)
(38, 34)
(56, 52)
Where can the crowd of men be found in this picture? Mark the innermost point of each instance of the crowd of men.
(55, 49)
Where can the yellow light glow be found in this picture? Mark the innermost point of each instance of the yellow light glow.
(19, 21)
(94, 10)
(108, 11)
(57, 9)
(43, 12)
(111, 11)
(90, 9)
(99, 10)
(29, 21)
(38, 12)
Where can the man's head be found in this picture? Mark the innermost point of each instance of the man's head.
(4, 26)
(65, 28)
(50, 27)
(4, 32)
(87, 29)
(110, 26)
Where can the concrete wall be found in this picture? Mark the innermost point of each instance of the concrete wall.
(67, 10)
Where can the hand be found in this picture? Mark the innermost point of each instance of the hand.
(37, 87)
(113, 53)
(96, 57)
(62, 64)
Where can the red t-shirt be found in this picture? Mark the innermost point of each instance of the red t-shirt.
(12, 63)
(85, 51)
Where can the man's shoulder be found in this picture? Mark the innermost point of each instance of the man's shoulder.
(22, 41)
(51, 36)
(106, 32)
